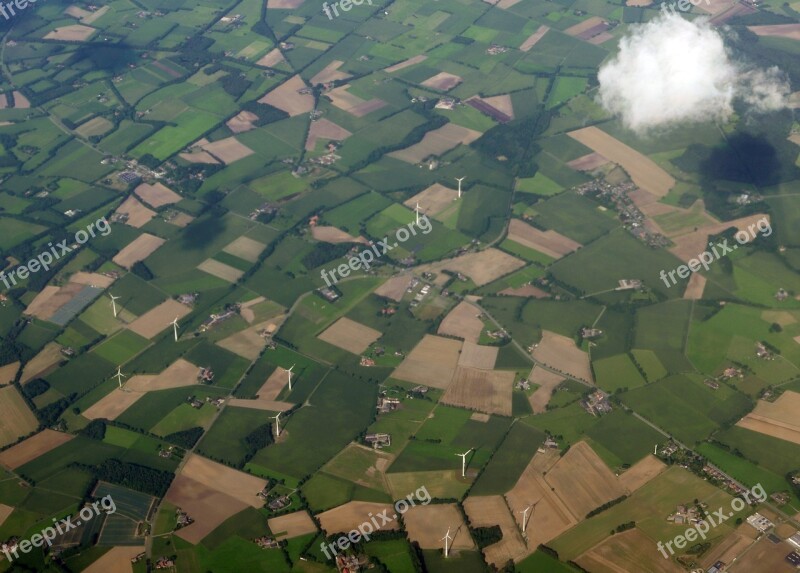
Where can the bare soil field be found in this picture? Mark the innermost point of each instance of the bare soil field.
(91, 279)
(71, 33)
(560, 352)
(285, 96)
(47, 302)
(266, 405)
(432, 362)
(138, 250)
(644, 172)
(112, 405)
(436, 142)
(350, 335)
(95, 15)
(463, 322)
(547, 381)
(476, 356)
(334, 235)
(17, 418)
(531, 40)
(778, 419)
(246, 343)
(291, 525)
(588, 162)
(641, 472)
(427, 524)
(433, 200)
(158, 318)
(442, 81)
(284, 4)
(502, 103)
(695, 287)
(551, 243)
(627, 551)
(9, 372)
(178, 374)
(791, 31)
(765, 556)
(228, 150)
(207, 505)
(583, 481)
(137, 213)
(549, 517)
(406, 63)
(487, 511)
(48, 357)
(239, 485)
(181, 220)
(199, 156)
(20, 101)
(730, 547)
(579, 29)
(35, 446)
(76, 12)
(245, 248)
(325, 129)
(525, 291)
(273, 385)
(329, 73)
(241, 122)
(116, 560)
(247, 312)
(272, 58)
(483, 390)
(220, 270)
(394, 288)
(353, 104)
(349, 516)
(638, 3)
(691, 244)
(482, 267)
(5, 511)
(157, 195)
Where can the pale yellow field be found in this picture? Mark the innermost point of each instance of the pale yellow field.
(9, 372)
(334, 235)
(285, 97)
(475, 356)
(246, 343)
(427, 524)
(291, 525)
(228, 150)
(394, 288)
(350, 335)
(433, 200)
(645, 172)
(778, 419)
(482, 267)
(116, 560)
(482, 390)
(138, 214)
(627, 551)
(531, 40)
(551, 243)
(220, 270)
(406, 63)
(463, 322)
(95, 126)
(16, 419)
(349, 516)
(35, 446)
(641, 472)
(47, 358)
(112, 405)
(178, 374)
(488, 511)
(547, 381)
(272, 58)
(241, 122)
(442, 81)
(245, 248)
(436, 142)
(695, 287)
(158, 318)
(560, 353)
(72, 33)
(329, 73)
(51, 298)
(157, 195)
(325, 129)
(432, 362)
(266, 405)
(5, 511)
(138, 250)
(353, 104)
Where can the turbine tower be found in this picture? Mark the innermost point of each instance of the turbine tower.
(416, 210)
(289, 372)
(119, 376)
(277, 425)
(175, 328)
(114, 304)
(525, 518)
(459, 185)
(464, 462)
(446, 540)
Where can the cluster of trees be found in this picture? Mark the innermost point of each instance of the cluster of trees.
(133, 476)
(606, 505)
(323, 253)
(485, 536)
(514, 141)
(185, 438)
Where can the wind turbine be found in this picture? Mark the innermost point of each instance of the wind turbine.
(446, 540)
(277, 425)
(175, 328)
(525, 518)
(113, 304)
(289, 372)
(119, 376)
(655, 450)
(416, 210)
(464, 462)
(459, 185)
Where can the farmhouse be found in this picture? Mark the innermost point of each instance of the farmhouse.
(378, 441)
(387, 404)
(597, 403)
(759, 522)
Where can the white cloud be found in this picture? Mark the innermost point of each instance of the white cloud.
(672, 71)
